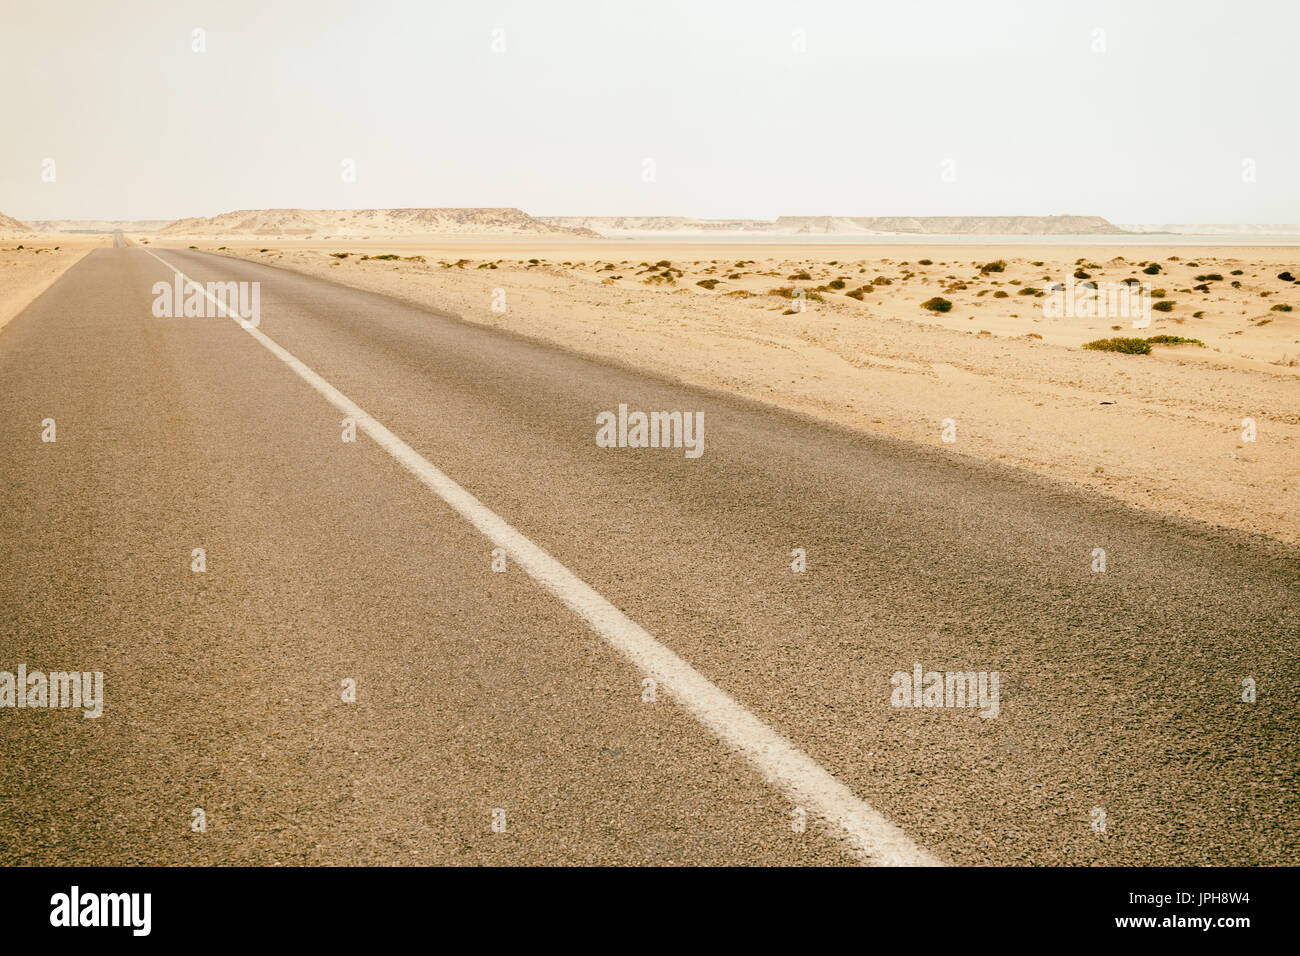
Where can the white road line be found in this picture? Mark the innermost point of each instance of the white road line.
(868, 835)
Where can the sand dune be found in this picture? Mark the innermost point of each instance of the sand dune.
(363, 223)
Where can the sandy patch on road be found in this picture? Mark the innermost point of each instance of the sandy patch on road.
(1162, 431)
(27, 272)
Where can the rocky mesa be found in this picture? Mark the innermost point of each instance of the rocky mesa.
(366, 223)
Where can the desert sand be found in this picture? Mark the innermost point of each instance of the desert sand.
(1162, 431)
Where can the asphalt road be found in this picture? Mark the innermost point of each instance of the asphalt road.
(477, 691)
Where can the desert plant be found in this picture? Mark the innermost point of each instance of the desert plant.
(1152, 269)
(789, 291)
(708, 283)
(1173, 340)
(998, 265)
(937, 305)
(1126, 346)
(1165, 305)
(1281, 307)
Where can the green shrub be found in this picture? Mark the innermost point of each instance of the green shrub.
(1165, 305)
(789, 291)
(340, 255)
(937, 304)
(1173, 340)
(1126, 346)
(708, 283)
(1152, 269)
(998, 265)
(1281, 307)
(1210, 277)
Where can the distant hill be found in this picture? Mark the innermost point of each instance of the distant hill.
(361, 223)
(99, 225)
(847, 225)
(13, 229)
(1221, 229)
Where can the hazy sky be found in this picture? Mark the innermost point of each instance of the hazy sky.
(1157, 128)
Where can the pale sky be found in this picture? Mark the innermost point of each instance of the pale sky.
(1157, 128)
